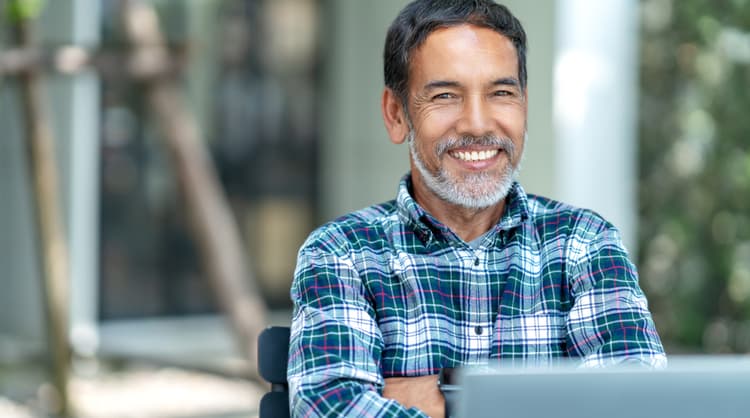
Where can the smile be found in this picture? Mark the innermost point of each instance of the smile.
(474, 155)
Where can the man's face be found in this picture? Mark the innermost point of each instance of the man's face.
(467, 116)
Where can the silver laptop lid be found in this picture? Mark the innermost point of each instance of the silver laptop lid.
(690, 387)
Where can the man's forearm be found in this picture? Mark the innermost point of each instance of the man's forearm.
(417, 392)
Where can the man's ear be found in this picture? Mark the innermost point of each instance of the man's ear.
(394, 117)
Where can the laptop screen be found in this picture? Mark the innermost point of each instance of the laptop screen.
(688, 388)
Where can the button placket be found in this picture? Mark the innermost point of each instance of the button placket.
(478, 331)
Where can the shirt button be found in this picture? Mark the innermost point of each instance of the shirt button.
(478, 330)
(476, 261)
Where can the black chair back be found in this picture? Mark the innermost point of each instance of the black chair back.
(273, 354)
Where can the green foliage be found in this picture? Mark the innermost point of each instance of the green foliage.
(20, 10)
(695, 172)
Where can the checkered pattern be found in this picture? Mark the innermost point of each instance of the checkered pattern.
(390, 291)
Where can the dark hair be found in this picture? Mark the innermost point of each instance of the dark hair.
(421, 17)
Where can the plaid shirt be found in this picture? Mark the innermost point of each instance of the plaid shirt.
(390, 291)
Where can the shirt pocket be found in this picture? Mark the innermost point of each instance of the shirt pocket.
(529, 339)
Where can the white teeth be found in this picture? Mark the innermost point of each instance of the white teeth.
(475, 155)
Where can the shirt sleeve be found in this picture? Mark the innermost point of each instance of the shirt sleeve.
(609, 322)
(335, 343)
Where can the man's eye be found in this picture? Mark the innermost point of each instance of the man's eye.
(503, 93)
(443, 96)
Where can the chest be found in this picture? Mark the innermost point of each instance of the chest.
(464, 306)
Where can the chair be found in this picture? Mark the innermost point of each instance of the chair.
(273, 354)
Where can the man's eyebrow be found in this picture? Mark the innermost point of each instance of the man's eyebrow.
(436, 84)
(506, 81)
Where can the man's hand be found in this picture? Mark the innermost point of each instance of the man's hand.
(421, 392)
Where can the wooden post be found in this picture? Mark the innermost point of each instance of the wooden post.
(52, 241)
(212, 223)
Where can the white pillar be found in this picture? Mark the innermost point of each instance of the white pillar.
(75, 113)
(595, 90)
(84, 186)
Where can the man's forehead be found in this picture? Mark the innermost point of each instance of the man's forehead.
(445, 34)
(461, 41)
(464, 45)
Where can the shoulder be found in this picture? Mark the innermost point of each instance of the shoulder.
(552, 218)
(330, 260)
(588, 242)
(364, 227)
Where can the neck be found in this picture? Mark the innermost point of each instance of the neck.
(467, 223)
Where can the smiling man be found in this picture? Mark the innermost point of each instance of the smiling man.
(463, 266)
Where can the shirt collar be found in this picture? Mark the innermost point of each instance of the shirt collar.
(410, 212)
(516, 208)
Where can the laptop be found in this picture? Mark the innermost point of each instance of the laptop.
(690, 387)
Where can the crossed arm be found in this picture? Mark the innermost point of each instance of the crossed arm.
(419, 392)
(333, 371)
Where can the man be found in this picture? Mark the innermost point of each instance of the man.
(463, 266)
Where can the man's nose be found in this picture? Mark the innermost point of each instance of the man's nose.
(475, 119)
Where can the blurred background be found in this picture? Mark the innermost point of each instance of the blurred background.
(637, 110)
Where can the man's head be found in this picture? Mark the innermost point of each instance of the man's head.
(456, 92)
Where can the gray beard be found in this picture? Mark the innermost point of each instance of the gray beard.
(473, 191)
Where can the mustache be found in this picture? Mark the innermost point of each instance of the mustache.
(504, 144)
